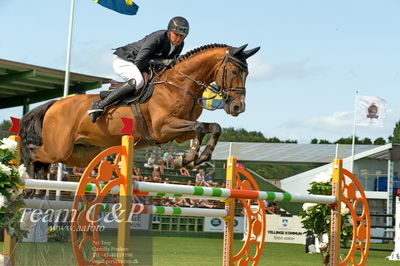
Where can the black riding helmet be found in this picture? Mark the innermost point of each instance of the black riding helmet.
(179, 25)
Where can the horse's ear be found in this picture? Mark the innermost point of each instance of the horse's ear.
(238, 50)
(249, 53)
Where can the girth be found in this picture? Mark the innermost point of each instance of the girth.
(144, 134)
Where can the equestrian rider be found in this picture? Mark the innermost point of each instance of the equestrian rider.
(156, 49)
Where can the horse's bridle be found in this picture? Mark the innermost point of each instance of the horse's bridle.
(223, 90)
(220, 90)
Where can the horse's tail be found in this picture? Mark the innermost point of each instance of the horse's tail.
(30, 130)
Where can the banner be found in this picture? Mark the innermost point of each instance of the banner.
(370, 111)
(281, 229)
(126, 7)
(214, 224)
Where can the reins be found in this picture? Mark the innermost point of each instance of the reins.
(222, 92)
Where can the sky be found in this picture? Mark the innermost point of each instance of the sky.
(314, 54)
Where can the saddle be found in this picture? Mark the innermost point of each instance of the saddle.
(142, 96)
(133, 101)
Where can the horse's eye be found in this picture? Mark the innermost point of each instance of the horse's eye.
(234, 72)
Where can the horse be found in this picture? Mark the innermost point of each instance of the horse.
(61, 131)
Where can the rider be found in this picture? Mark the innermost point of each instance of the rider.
(157, 49)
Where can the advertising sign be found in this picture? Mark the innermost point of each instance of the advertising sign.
(213, 224)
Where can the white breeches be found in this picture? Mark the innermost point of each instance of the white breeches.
(127, 70)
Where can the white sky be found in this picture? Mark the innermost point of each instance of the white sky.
(314, 54)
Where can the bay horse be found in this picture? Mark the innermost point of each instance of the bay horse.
(61, 131)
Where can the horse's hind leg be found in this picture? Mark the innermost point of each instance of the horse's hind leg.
(215, 130)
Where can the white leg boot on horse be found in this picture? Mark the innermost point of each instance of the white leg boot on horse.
(115, 96)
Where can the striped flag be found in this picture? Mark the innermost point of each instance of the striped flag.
(212, 100)
(127, 7)
(370, 111)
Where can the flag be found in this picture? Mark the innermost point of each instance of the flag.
(127, 7)
(370, 111)
(212, 100)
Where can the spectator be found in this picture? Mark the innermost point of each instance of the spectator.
(77, 171)
(206, 204)
(156, 174)
(271, 207)
(168, 159)
(182, 202)
(210, 176)
(136, 174)
(194, 203)
(200, 178)
(183, 171)
(151, 161)
(53, 171)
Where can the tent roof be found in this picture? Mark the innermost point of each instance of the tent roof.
(24, 84)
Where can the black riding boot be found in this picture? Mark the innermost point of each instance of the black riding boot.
(116, 95)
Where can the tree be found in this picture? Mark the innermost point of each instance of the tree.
(314, 141)
(396, 134)
(324, 141)
(348, 140)
(379, 141)
(4, 126)
(232, 134)
(366, 141)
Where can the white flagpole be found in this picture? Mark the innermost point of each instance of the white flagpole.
(66, 82)
(354, 133)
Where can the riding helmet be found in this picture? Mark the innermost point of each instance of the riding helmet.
(179, 25)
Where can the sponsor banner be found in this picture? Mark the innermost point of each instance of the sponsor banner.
(281, 229)
(285, 229)
(213, 224)
(139, 221)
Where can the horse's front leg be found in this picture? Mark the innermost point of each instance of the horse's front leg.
(191, 158)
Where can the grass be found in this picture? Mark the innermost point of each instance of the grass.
(183, 251)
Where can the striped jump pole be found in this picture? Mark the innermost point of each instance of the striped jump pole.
(135, 209)
(183, 191)
(143, 188)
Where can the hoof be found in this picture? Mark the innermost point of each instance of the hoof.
(178, 162)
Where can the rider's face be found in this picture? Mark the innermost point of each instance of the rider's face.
(175, 38)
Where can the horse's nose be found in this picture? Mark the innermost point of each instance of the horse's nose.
(237, 108)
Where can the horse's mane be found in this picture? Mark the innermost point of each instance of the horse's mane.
(198, 50)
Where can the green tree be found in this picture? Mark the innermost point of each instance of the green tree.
(396, 134)
(366, 141)
(324, 141)
(4, 126)
(242, 135)
(348, 140)
(314, 141)
(379, 141)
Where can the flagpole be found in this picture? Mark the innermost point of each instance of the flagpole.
(66, 82)
(354, 133)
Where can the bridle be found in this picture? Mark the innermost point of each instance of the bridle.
(221, 90)
(243, 66)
